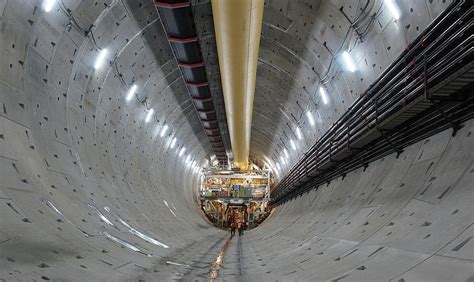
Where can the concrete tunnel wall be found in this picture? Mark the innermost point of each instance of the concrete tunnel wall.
(405, 219)
(70, 146)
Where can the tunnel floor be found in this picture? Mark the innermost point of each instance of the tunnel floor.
(223, 261)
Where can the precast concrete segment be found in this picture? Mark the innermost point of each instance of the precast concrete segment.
(88, 189)
(405, 219)
(237, 24)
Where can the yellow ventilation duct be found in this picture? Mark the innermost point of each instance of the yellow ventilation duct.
(238, 24)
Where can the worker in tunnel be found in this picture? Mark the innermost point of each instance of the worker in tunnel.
(241, 227)
(232, 228)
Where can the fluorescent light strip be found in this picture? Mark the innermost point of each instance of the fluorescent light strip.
(324, 95)
(100, 59)
(285, 151)
(164, 130)
(293, 145)
(173, 143)
(393, 8)
(181, 152)
(131, 92)
(310, 118)
(48, 5)
(149, 115)
(347, 59)
(267, 159)
(298, 133)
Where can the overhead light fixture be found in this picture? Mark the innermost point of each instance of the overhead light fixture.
(324, 95)
(149, 115)
(348, 62)
(278, 166)
(181, 152)
(285, 151)
(393, 8)
(131, 92)
(163, 130)
(188, 158)
(173, 143)
(100, 59)
(298, 133)
(283, 162)
(267, 159)
(310, 118)
(48, 5)
(293, 145)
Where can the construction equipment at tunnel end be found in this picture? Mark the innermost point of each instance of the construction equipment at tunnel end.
(427, 89)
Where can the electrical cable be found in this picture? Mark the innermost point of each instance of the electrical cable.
(325, 79)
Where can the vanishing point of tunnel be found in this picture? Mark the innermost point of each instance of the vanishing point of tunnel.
(236, 140)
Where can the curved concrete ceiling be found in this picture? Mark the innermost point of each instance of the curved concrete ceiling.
(91, 191)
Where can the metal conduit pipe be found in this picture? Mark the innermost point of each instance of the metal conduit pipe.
(238, 24)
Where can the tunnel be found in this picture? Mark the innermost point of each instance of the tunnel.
(112, 110)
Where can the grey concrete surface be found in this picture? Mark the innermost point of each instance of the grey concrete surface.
(90, 191)
(405, 219)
